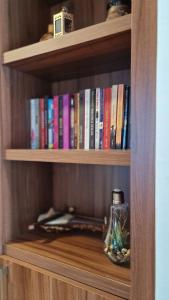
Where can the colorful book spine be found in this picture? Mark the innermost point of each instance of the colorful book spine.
(126, 117)
(101, 118)
(113, 117)
(56, 122)
(66, 121)
(50, 123)
(120, 115)
(34, 113)
(46, 121)
(42, 122)
(72, 122)
(60, 122)
(81, 119)
(76, 122)
(107, 115)
(92, 119)
(87, 119)
(97, 119)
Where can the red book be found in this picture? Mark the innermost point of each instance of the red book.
(42, 123)
(107, 117)
(56, 122)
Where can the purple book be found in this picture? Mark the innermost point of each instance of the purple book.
(66, 121)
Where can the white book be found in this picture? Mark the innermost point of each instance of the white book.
(87, 119)
(97, 119)
(35, 126)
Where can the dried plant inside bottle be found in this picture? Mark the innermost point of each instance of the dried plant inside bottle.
(117, 242)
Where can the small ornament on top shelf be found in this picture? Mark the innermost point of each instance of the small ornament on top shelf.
(117, 241)
(63, 22)
(49, 34)
(118, 8)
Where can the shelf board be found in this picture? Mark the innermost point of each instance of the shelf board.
(102, 47)
(78, 257)
(93, 157)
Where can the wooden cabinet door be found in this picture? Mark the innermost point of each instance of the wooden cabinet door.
(24, 281)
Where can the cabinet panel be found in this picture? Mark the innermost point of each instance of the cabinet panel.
(27, 282)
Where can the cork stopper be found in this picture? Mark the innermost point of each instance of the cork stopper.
(117, 196)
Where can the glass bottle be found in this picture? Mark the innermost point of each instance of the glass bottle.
(117, 241)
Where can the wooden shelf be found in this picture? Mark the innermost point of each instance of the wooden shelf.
(78, 257)
(93, 157)
(91, 50)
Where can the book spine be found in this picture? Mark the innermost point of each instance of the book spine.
(60, 122)
(35, 130)
(113, 117)
(72, 122)
(120, 115)
(107, 115)
(77, 117)
(66, 121)
(56, 122)
(126, 117)
(101, 118)
(81, 120)
(97, 119)
(42, 122)
(50, 123)
(87, 118)
(46, 121)
(92, 119)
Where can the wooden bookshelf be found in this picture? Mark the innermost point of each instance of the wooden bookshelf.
(78, 257)
(94, 49)
(93, 157)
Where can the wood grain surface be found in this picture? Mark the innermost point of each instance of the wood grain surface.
(28, 282)
(94, 157)
(75, 256)
(144, 44)
(102, 44)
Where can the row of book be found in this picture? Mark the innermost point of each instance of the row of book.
(91, 119)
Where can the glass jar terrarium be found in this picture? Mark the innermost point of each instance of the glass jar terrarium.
(117, 241)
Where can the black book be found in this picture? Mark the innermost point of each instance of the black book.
(125, 131)
(92, 119)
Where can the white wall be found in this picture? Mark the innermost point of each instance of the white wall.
(162, 154)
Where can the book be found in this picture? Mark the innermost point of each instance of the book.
(42, 122)
(72, 122)
(87, 119)
(120, 115)
(76, 119)
(60, 122)
(126, 118)
(81, 119)
(113, 120)
(107, 115)
(46, 121)
(92, 119)
(34, 122)
(97, 118)
(50, 123)
(56, 122)
(66, 121)
(101, 118)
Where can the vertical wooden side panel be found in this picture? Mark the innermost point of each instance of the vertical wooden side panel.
(143, 148)
(22, 187)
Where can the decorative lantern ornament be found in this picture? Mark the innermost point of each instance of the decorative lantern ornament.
(118, 8)
(63, 22)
